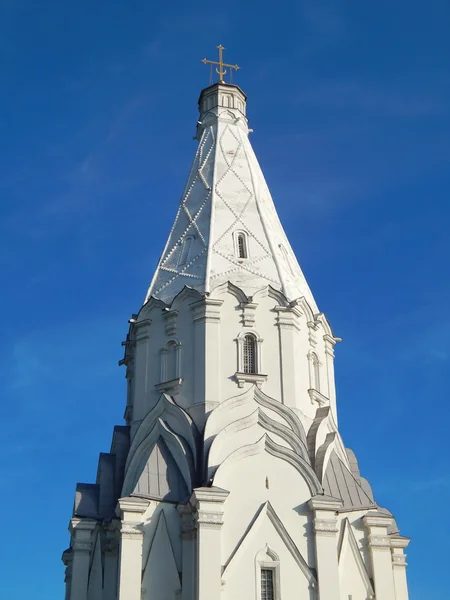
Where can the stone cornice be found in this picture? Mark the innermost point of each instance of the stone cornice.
(206, 310)
(142, 329)
(209, 494)
(325, 503)
(377, 520)
(133, 504)
(169, 386)
(256, 378)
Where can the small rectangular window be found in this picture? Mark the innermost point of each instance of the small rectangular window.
(267, 588)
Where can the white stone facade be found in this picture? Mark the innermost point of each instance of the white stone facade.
(230, 479)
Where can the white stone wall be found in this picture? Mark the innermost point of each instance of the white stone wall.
(221, 472)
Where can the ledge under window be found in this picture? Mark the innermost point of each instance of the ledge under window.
(318, 397)
(172, 386)
(242, 378)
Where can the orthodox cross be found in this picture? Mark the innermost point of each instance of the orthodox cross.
(220, 70)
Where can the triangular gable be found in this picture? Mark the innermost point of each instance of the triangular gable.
(160, 579)
(96, 572)
(340, 483)
(349, 551)
(266, 511)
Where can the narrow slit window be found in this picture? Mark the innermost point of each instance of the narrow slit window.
(316, 372)
(267, 588)
(241, 246)
(249, 354)
(185, 249)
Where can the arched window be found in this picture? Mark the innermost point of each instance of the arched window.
(171, 364)
(185, 249)
(241, 245)
(267, 575)
(315, 373)
(249, 354)
(286, 258)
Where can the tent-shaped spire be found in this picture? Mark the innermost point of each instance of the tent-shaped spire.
(227, 228)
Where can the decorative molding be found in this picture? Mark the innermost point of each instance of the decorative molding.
(326, 527)
(208, 503)
(131, 529)
(142, 329)
(313, 326)
(318, 398)
(248, 317)
(399, 560)
(379, 541)
(287, 317)
(170, 318)
(206, 310)
(204, 517)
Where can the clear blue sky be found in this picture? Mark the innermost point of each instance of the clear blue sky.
(349, 102)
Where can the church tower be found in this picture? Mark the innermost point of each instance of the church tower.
(230, 479)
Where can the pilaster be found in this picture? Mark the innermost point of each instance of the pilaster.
(206, 318)
(330, 342)
(188, 554)
(81, 530)
(399, 564)
(111, 541)
(209, 520)
(380, 554)
(325, 531)
(131, 540)
(141, 383)
(67, 561)
(287, 323)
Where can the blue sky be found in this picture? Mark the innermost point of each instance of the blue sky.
(349, 102)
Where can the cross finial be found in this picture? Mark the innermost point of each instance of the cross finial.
(220, 70)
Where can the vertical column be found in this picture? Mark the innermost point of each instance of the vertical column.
(111, 555)
(209, 505)
(131, 540)
(380, 553)
(399, 564)
(206, 317)
(67, 561)
(141, 362)
(329, 357)
(325, 527)
(188, 589)
(287, 322)
(81, 530)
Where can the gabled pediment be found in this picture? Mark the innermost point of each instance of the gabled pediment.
(352, 569)
(267, 519)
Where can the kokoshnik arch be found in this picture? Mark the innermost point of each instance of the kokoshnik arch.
(230, 479)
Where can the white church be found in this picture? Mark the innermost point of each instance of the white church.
(230, 479)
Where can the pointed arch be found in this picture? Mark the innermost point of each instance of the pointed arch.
(266, 444)
(177, 420)
(187, 293)
(228, 287)
(179, 451)
(161, 477)
(254, 424)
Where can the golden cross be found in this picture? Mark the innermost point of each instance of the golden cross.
(221, 71)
